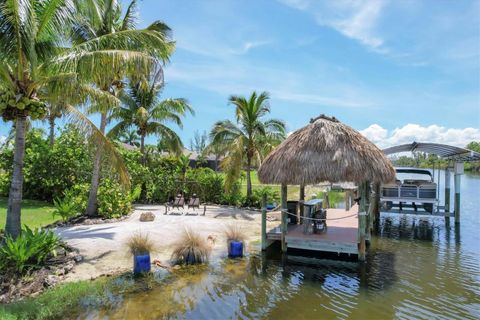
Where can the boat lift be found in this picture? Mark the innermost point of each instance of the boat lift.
(424, 193)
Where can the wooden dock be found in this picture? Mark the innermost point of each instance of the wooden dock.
(341, 235)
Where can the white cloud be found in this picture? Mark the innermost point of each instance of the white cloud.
(355, 19)
(2, 140)
(414, 132)
(238, 77)
(247, 46)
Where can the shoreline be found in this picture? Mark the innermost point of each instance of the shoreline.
(103, 246)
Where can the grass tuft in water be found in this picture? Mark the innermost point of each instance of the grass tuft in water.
(192, 248)
(139, 244)
(234, 232)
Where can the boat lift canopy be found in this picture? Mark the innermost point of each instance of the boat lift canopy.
(455, 154)
(442, 150)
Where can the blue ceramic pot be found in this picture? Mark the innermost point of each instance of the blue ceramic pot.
(141, 263)
(235, 249)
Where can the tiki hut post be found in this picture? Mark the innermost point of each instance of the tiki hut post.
(301, 201)
(376, 211)
(347, 200)
(284, 225)
(362, 238)
(264, 222)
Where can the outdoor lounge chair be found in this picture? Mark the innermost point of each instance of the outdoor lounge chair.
(179, 202)
(194, 202)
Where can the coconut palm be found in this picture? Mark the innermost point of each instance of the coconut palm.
(98, 20)
(143, 109)
(36, 67)
(54, 112)
(245, 139)
(130, 137)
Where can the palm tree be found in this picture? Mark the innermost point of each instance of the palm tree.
(130, 137)
(100, 20)
(245, 139)
(54, 111)
(36, 67)
(142, 109)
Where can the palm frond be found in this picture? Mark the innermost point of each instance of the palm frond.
(130, 19)
(93, 134)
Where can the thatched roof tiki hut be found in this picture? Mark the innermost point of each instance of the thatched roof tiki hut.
(327, 150)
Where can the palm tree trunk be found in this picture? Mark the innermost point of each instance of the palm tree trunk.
(51, 122)
(143, 187)
(249, 181)
(92, 197)
(13, 225)
(142, 148)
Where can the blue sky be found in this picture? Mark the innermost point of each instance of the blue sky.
(397, 70)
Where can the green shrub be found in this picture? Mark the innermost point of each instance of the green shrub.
(233, 197)
(49, 171)
(28, 251)
(66, 208)
(334, 197)
(270, 194)
(112, 201)
(4, 184)
(206, 183)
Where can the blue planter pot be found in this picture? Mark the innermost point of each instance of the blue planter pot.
(235, 249)
(141, 264)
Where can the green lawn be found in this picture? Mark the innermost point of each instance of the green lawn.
(293, 191)
(34, 213)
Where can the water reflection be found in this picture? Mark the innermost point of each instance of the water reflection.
(416, 268)
(409, 227)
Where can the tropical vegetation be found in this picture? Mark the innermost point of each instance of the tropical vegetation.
(143, 110)
(27, 251)
(249, 139)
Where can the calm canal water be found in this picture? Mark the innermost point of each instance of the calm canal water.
(416, 269)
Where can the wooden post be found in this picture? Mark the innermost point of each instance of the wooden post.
(326, 201)
(362, 223)
(458, 174)
(371, 210)
(362, 220)
(284, 225)
(376, 212)
(264, 222)
(300, 202)
(347, 200)
(362, 206)
(447, 192)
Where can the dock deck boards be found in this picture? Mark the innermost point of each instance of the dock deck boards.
(341, 235)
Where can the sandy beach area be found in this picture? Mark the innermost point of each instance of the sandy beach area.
(103, 246)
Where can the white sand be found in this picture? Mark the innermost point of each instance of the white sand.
(103, 245)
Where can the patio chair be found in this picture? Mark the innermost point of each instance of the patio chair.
(194, 202)
(179, 202)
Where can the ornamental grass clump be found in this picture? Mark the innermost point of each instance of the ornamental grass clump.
(140, 244)
(234, 232)
(192, 248)
(235, 241)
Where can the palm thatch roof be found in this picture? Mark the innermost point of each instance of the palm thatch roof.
(326, 150)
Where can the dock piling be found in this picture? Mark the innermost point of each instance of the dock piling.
(457, 178)
(362, 224)
(284, 216)
(264, 222)
(447, 192)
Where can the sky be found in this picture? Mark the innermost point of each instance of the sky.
(397, 71)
